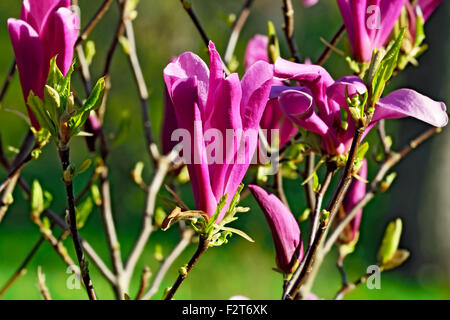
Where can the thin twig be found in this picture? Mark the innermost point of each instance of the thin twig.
(392, 160)
(112, 49)
(288, 12)
(7, 82)
(187, 5)
(93, 22)
(328, 49)
(147, 219)
(203, 244)
(142, 88)
(279, 186)
(145, 277)
(64, 154)
(236, 31)
(42, 286)
(185, 240)
(303, 270)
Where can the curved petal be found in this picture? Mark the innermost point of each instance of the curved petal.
(355, 193)
(216, 75)
(225, 116)
(428, 7)
(316, 79)
(185, 66)
(256, 85)
(284, 228)
(353, 85)
(309, 3)
(256, 50)
(59, 35)
(298, 106)
(274, 118)
(409, 103)
(29, 59)
(35, 12)
(185, 101)
(389, 13)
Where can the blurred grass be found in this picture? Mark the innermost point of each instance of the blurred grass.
(164, 30)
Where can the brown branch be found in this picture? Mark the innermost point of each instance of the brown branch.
(303, 270)
(93, 22)
(328, 49)
(187, 5)
(7, 82)
(112, 49)
(64, 154)
(202, 247)
(392, 160)
(288, 13)
(236, 31)
(42, 286)
(142, 89)
(145, 277)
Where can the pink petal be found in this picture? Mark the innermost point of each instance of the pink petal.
(29, 59)
(285, 230)
(59, 35)
(316, 79)
(256, 50)
(356, 193)
(256, 85)
(35, 12)
(188, 65)
(309, 3)
(428, 7)
(185, 101)
(353, 85)
(409, 103)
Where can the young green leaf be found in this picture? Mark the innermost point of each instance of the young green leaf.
(37, 198)
(390, 241)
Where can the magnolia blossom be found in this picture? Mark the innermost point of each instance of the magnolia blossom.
(369, 23)
(46, 28)
(273, 117)
(355, 193)
(309, 3)
(424, 8)
(209, 106)
(285, 230)
(328, 96)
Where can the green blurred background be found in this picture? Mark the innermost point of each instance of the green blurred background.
(420, 196)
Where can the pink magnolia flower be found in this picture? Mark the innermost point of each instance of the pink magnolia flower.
(285, 230)
(428, 7)
(423, 7)
(273, 117)
(329, 96)
(355, 193)
(209, 106)
(46, 28)
(309, 3)
(369, 23)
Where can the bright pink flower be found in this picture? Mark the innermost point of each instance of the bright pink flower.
(47, 28)
(355, 193)
(425, 8)
(428, 7)
(273, 117)
(309, 3)
(285, 230)
(329, 96)
(369, 23)
(205, 101)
